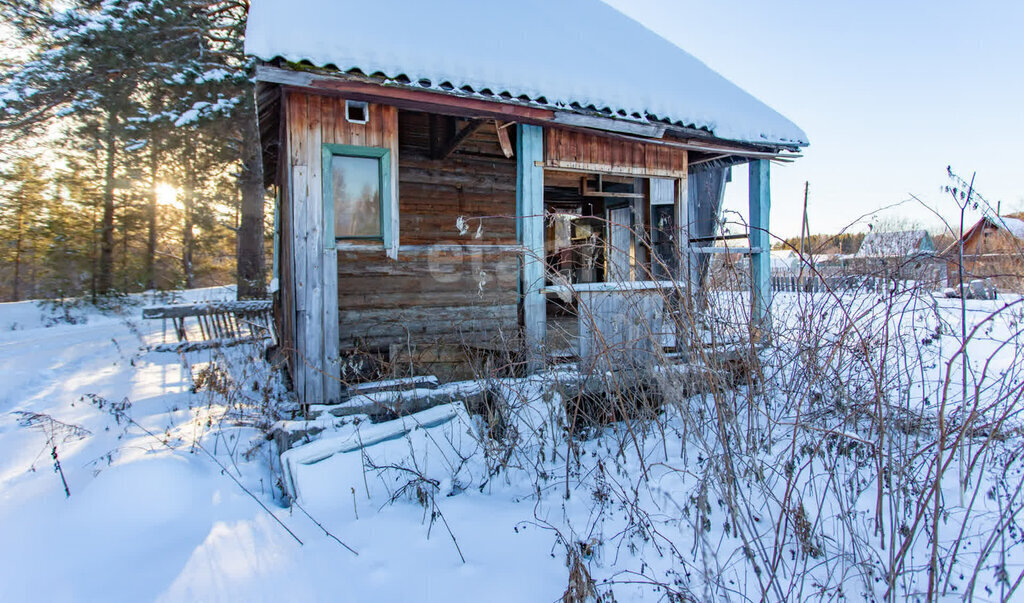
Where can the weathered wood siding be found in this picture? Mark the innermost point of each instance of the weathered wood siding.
(581, 151)
(312, 121)
(477, 180)
(444, 286)
(445, 293)
(438, 285)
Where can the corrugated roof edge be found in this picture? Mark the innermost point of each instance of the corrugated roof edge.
(303, 65)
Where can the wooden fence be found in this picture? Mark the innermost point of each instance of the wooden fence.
(816, 283)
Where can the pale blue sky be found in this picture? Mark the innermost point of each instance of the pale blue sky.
(890, 93)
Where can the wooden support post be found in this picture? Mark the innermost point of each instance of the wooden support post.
(530, 231)
(760, 256)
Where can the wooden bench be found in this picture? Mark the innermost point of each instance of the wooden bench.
(220, 324)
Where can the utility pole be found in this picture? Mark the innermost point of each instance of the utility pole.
(805, 227)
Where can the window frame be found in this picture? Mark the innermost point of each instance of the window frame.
(383, 156)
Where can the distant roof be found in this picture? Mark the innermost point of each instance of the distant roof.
(895, 244)
(1011, 225)
(569, 54)
(1014, 226)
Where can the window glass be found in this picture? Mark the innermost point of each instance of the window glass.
(355, 185)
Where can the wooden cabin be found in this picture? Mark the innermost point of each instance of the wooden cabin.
(459, 175)
(993, 249)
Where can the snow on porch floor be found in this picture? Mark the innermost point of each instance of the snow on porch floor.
(147, 523)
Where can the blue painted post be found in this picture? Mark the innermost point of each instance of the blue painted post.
(530, 231)
(760, 245)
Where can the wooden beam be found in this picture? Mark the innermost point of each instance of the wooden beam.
(530, 231)
(622, 126)
(586, 191)
(503, 138)
(710, 250)
(454, 142)
(760, 262)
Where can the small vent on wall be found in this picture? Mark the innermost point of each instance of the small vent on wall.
(356, 112)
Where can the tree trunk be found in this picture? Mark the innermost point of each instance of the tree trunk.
(17, 248)
(154, 172)
(251, 268)
(188, 202)
(106, 267)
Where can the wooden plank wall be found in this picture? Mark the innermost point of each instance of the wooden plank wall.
(580, 151)
(476, 180)
(313, 120)
(286, 285)
(445, 286)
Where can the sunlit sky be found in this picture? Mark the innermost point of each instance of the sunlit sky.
(889, 93)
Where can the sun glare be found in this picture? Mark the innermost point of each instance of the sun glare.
(167, 194)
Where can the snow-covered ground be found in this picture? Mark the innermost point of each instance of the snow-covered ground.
(147, 522)
(183, 501)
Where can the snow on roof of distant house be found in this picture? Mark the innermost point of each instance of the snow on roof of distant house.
(783, 260)
(895, 244)
(1014, 226)
(566, 54)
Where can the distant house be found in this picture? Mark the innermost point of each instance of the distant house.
(902, 244)
(993, 248)
(785, 262)
(906, 255)
(446, 170)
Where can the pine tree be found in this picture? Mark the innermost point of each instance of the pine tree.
(20, 220)
(155, 89)
(223, 71)
(82, 65)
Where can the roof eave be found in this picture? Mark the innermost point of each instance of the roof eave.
(526, 111)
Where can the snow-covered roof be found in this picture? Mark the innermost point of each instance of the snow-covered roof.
(895, 244)
(1014, 226)
(784, 260)
(564, 54)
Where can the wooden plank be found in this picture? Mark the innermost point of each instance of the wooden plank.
(286, 313)
(332, 120)
(760, 262)
(611, 125)
(503, 139)
(202, 308)
(713, 250)
(299, 203)
(296, 104)
(376, 327)
(685, 258)
(314, 342)
(620, 329)
(389, 119)
(330, 116)
(530, 211)
(374, 126)
(581, 151)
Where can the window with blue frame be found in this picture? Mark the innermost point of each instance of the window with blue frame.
(357, 193)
